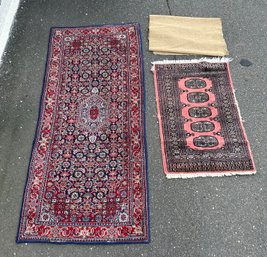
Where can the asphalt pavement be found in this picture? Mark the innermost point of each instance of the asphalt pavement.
(202, 217)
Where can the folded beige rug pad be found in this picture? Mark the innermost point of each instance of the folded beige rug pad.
(175, 35)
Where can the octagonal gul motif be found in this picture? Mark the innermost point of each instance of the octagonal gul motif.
(200, 128)
(203, 131)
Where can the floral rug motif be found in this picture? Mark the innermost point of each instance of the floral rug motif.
(87, 179)
(200, 127)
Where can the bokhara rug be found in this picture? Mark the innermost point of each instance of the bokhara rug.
(200, 127)
(87, 179)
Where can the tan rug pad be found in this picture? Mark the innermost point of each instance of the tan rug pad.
(187, 36)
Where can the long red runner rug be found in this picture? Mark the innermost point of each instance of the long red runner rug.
(87, 179)
(200, 127)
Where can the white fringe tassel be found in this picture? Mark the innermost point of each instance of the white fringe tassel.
(203, 175)
(204, 59)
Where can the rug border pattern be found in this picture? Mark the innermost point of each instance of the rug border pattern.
(185, 175)
(146, 238)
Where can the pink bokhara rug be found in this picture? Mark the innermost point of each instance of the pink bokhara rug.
(200, 127)
(87, 175)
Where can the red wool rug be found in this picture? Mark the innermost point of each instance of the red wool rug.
(200, 127)
(87, 179)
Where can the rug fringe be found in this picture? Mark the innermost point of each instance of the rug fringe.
(204, 59)
(203, 175)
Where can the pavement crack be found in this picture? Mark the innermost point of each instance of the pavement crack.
(169, 7)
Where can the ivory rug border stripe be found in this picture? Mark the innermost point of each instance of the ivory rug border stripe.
(87, 176)
(180, 150)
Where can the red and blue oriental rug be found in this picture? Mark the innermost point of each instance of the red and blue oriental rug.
(87, 179)
(200, 126)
